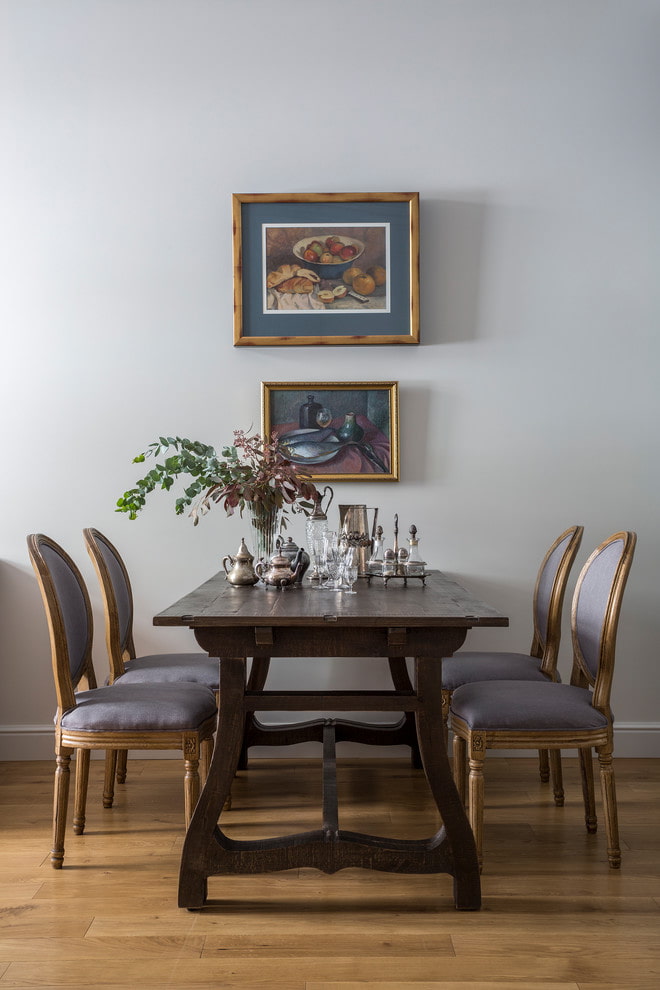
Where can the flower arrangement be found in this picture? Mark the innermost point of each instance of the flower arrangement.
(251, 473)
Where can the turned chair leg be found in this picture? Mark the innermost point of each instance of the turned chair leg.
(544, 766)
(191, 787)
(557, 777)
(476, 803)
(609, 804)
(80, 794)
(588, 793)
(60, 805)
(109, 777)
(122, 761)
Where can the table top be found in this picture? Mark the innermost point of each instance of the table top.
(440, 602)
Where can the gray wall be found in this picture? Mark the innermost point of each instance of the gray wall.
(530, 130)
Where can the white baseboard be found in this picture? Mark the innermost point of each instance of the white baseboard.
(35, 742)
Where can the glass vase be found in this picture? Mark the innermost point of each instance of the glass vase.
(266, 521)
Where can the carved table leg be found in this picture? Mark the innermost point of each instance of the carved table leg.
(458, 834)
(256, 682)
(194, 858)
(401, 681)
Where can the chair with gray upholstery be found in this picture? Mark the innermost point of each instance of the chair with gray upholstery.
(125, 665)
(122, 716)
(514, 714)
(540, 664)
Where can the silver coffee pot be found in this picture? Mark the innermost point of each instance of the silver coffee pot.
(241, 571)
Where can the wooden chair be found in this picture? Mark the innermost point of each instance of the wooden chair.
(534, 714)
(540, 664)
(125, 665)
(122, 716)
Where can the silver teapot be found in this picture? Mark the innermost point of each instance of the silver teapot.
(288, 548)
(242, 572)
(279, 572)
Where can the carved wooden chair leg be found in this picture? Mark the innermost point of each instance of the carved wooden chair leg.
(446, 701)
(588, 793)
(460, 767)
(609, 805)
(60, 805)
(191, 775)
(122, 760)
(80, 794)
(557, 777)
(476, 801)
(109, 778)
(544, 766)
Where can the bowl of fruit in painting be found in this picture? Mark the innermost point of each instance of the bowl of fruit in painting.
(328, 256)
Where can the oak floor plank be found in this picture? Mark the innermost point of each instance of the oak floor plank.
(440, 985)
(214, 971)
(100, 949)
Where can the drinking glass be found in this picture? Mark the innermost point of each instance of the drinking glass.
(331, 562)
(349, 569)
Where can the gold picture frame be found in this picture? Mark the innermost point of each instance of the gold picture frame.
(335, 431)
(295, 258)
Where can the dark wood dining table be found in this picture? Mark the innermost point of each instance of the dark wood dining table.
(421, 621)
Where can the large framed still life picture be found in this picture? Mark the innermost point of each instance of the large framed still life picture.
(326, 268)
(335, 431)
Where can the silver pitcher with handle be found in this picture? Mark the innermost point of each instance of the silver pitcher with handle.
(354, 526)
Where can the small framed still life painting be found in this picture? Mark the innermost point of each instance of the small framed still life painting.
(335, 431)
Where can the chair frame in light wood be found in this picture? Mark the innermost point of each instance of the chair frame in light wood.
(545, 646)
(470, 745)
(195, 743)
(120, 647)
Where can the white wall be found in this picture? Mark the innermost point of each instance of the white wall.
(530, 130)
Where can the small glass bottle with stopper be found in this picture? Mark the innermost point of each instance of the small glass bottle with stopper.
(415, 566)
(375, 565)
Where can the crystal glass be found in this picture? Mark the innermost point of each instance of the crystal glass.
(349, 569)
(316, 530)
(331, 561)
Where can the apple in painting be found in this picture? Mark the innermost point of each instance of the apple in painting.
(364, 284)
(348, 252)
(310, 255)
(350, 274)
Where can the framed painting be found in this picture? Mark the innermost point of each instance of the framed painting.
(326, 268)
(335, 431)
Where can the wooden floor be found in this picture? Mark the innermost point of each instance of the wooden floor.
(554, 916)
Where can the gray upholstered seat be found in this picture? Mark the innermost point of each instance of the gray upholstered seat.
(171, 668)
(142, 707)
(468, 667)
(516, 704)
(514, 714)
